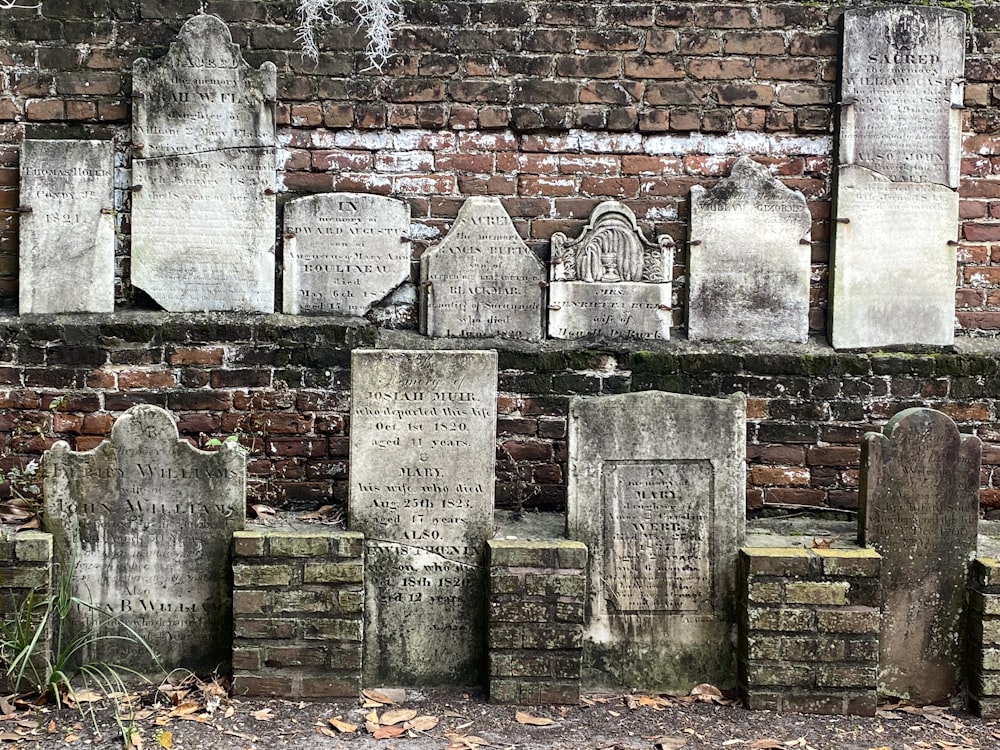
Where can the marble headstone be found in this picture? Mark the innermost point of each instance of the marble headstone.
(611, 281)
(748, 269)
(203, 209)
(903, 69)
(344, 252)
(656, 491)
(149, 520)
(893, 275)
(423, 445)
(896, 215)
(67, 239)
(482, 279)
(920, 510)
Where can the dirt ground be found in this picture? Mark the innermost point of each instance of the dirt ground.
(458, 720)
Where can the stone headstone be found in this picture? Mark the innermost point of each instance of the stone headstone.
(748, 270)
(482, 280)
(903, 70)
(896, 217)
(920, 510)
(344, 252)
(893, 275)
(148, 520)
(203, 210)
(423, 445)
(67, 240)
(611, 281)
(656, 489)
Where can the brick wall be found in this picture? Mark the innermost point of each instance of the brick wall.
(554, 106)
(26, 576)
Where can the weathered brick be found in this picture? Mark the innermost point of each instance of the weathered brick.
(262, 575)
(284, 544)
(346, 572)
(820, 593)
(848, 620)
(335, 630)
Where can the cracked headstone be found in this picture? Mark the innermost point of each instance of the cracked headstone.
(423, 449)
(896, 211)
(748, 270)
(482, 280)
(344, 252)
(656, 490)
(148, 520)
(203, 210)
(919, 507)
(67, 231)
(610, 282)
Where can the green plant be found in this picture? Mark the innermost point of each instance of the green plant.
(31, 665)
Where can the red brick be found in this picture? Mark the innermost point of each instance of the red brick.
(794, 496)
(720, 68)
(135, 379)
(724, 17)
(779, 475)
(981, 232)
(787, 69)
(653, 67)
(196, 356)
(753, 43)
(833, 455)
(97, 424)
(614, 187)
(46, 109)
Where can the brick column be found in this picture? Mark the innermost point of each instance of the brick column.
(809, 629)
(26, 569)
(537, 595)
(298, 602)
(984, 638)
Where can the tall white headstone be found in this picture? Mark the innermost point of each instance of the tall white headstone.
(67, 236)
(895, 208)
(203, 213)
(423, 448)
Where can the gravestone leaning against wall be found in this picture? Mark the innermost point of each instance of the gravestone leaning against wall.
(344, 252)
(610, 281)
(895, 205)
(423, 448)
(148, 521)
(482, 279)
(919, 499)
(748, 268)
(203, 173)
(656, 491)
(67, 238)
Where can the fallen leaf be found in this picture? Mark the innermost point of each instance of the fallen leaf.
(5, 706)
(822, 543)
(247, 737)
(706, 693)
(84, 696)
(386, 733)
(70, 738)
(766, 744)
(378, 697)
(342, 726)
(523, 717)
(264, 512)
(165, 739)
(188, 707)
(265, 714)
(423, 723)
(326, 731)
(397, 716)
(51, 726)
(10, 736)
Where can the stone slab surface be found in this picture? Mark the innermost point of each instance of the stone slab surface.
(67, 241)
(482, 280)
(656, 491)
(423, 445)
(903, 72)
(893, 275)
(920, 510)
(344, 252)
(749, 264)
(203, 211)
(150, 520)
(623, 310)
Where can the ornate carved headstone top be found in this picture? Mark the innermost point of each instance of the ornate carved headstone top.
(611, 281)
(919, 508)
(202, 95)
(612, 248)
(149, 520)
